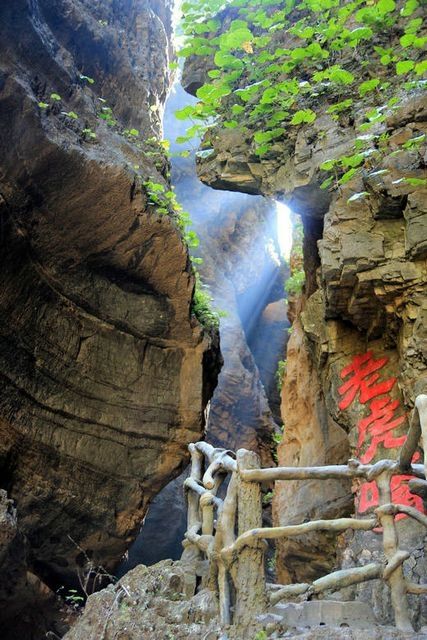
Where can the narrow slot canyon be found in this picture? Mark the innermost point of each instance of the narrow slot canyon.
(245, 273)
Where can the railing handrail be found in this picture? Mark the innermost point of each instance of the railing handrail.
(232, 556)
(354, 469)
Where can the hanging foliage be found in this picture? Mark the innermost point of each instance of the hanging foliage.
(275, 64)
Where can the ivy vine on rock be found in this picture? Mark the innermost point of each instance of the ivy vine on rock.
(276, 65)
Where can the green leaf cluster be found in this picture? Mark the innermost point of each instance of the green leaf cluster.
(280, 374)
(202, 306)
(264, 89)
(295, 282)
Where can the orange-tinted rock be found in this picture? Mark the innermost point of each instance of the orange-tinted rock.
(311, 437)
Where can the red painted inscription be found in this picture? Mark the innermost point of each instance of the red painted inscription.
(362, 379)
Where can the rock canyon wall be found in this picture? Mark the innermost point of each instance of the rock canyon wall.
(105, 373)
(356, 358)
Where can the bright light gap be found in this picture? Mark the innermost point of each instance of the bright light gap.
(284, 229)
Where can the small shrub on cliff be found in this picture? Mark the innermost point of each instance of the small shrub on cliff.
(267, 498)
(74, 599)
(280, 373)
(202, 306)
(295, 282)
(271, 564)
(165, 203)
(276, 439)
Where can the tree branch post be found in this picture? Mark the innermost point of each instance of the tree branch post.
(191, 554)
(396, 580)
(225, 535)
(251, 598)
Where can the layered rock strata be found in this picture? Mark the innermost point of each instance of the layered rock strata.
(104, 372)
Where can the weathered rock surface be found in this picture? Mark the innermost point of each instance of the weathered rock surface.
(311, 437)
(372, 297)
(245, 278)
(335, 633)
(104, 373)
(366, 286)
(148, 603)
(361, 549)
(12, 550)
(20, 589)
(242, 268)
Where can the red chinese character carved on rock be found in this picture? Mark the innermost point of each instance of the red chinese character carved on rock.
(363, 380)
(400, 494)
(376, 428)
(378, 425)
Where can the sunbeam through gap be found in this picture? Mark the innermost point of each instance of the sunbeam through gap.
(284, 229)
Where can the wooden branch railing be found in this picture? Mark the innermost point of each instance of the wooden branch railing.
(236, 557)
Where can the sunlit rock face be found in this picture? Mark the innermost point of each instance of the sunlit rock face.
(241, 266)
(152, 606)
(366, 285)
(104, 372)
(371, 297)
(311, 437)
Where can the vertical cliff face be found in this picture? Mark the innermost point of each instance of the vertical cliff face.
(104, 371)
(364, 305)
(355, 359)
(366, 319)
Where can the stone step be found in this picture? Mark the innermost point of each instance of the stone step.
(315, 613)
